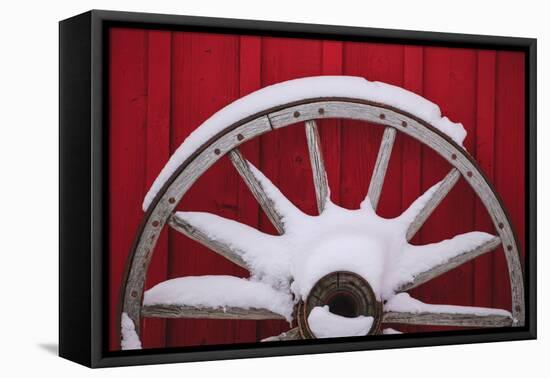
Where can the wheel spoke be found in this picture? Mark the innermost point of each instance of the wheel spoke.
(439, 263)
(448, 319)
(182, 311)
(181, 223)
(402, 309)
(216, 297)
(381, 166)
(425, 205)
(243, 167)
(322, 191)
(276, 206)
(292, 334)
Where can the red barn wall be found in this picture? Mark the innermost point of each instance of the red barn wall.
(164, 84)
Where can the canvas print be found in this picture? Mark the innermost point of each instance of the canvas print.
(281, 190)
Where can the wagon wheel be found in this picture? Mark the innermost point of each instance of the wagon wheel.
(347, 294)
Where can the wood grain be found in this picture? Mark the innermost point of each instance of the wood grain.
(199, 235)
(452, 263)
(292, 334)
(447, 319)
(484, 154)
(180, 311)
(165, 206)
(320, 180)
(381, 166)
(266, 203)
(158, 152)
(283, 154)
(441, 192)
(127, 145)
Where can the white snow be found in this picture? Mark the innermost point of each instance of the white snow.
(324, 324)
(339, 239)
(408, 216)
(417, 259)
(285, 268)
(300, 89)
(403, 302)
(391, 331)
(130, 339)
(264, 254)
(220, 292)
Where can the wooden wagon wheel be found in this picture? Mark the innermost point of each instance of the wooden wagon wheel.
(384, 307)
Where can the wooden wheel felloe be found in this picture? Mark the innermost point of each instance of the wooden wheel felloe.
(400, 308)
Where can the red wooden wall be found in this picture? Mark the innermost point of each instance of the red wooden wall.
(164, 84)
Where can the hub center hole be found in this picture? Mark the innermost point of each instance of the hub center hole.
(344, 305)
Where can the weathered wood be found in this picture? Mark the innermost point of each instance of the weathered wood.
(291, 334)
(381, 166)
(346, 108)
(180, 311)
(446, 185)
(242, 166)
(335, 286)
(145, 244)
(438, 270)
(195, 233)
(320, 180)
(448, 319)
(358, 109)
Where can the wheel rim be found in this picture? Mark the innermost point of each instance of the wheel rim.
(226, 142)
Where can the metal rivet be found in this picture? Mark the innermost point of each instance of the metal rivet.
(382, 116)
(404, 123)
(155, 223)
(171, 200)
(321, 111)
(501, 225)
(296, 114)
(240, 136)
(453, 156)
(217, 151)
(469, 173)
(509, 247)
(134, 294)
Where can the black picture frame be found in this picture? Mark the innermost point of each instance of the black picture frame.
(83, 188)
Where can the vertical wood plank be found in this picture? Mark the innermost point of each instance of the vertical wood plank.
(411, 161)
(201, 86)
(128, 120)
(411, 158)
(330, 130)
(180, 260)
(380, 62)
(450, 82)
(157, 154)
(250, 50)
(484, 153)
(284, 153)
(510, 157)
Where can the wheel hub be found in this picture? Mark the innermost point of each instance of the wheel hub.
(347, 294)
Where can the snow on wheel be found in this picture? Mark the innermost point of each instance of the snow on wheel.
(341, 273)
